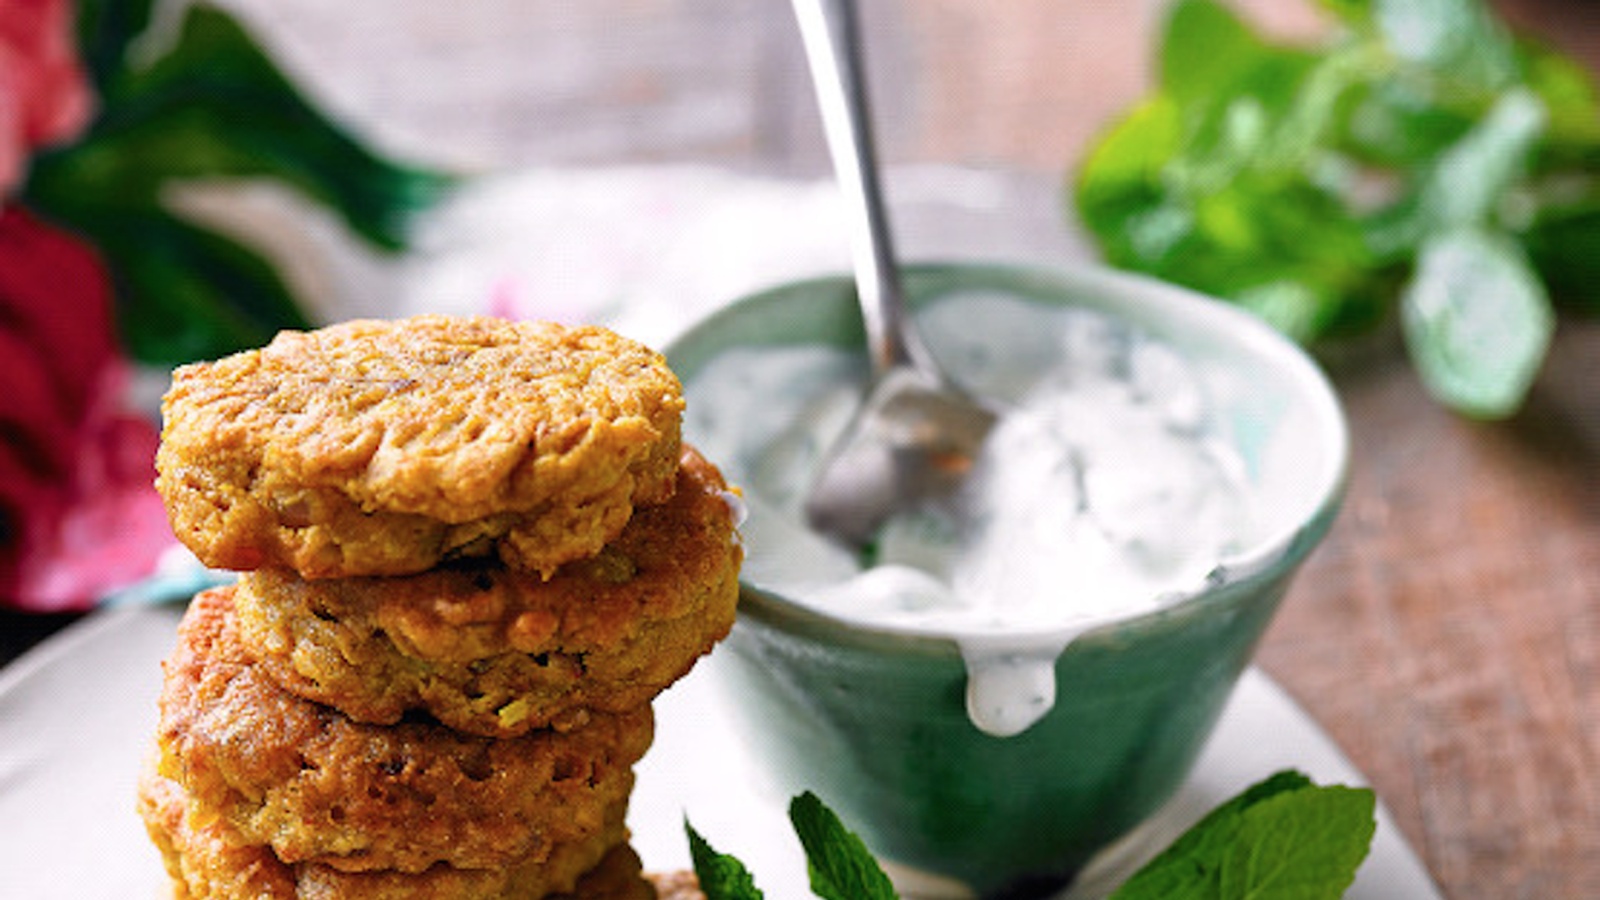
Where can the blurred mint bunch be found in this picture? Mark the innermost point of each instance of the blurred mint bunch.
(208, 103)
(1422, 163)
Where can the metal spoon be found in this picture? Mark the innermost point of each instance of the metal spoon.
(916, 433)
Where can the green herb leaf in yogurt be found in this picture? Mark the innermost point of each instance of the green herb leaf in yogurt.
(1284, 837)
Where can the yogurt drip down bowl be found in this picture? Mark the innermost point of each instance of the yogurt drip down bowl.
(874, 717)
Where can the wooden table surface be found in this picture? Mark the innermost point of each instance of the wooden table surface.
(1448, 633)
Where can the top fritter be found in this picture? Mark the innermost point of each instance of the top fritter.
(386, 447)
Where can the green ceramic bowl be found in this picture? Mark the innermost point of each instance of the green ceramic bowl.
(874, 719)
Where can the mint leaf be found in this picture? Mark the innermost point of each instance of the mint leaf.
(1206, 50)
(1182, 869)
(1283, 837)
(1568, 93)
(840, 865)
(1477, 322)
(1121, 194)
(1355, 12)
(1301, 845)
(1400, 123)
(1457, 36)
(1564, 244)
(1304, 182)
(1219, 824)
(722, 877)
(1466, 184)
(1470, 179)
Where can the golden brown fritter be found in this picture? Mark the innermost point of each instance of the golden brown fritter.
(207, 860)
(498, 652)
(384, 447)
(317, 787)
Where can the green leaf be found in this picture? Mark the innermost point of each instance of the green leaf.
(841, 866)
(1255, 227)
(1302, 845)
(1465, 186)
(1353, 12)
(106, 28)
(1477, 322)
(215, 105)
(199, 295)
(1309, 127)
(1186, 867)
(1283, 837)
(1461, 37)
(1205, 50)
(1120, 191)
(1218, 70)
(1470, 179)
(1262, 124)
(1305, 183)
(1401, 122)
(1567, 90)
(722, 877)
(1564, 245)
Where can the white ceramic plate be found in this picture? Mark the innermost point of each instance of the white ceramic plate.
(77, 713)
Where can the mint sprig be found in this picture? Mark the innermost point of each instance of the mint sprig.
(838, 861)
(1283, 838)
(1327, 186)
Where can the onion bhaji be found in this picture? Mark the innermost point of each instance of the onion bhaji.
(498, 652)
(473, 552)
(385, 447)
(208, 860)
(317, 787)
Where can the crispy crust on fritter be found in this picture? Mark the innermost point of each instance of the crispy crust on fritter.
(384, 447)
(499, 652)
(316, 786)
(207, 860)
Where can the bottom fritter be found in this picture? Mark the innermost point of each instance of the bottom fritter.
(207, 860)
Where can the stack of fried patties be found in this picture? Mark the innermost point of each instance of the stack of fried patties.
(471, 552)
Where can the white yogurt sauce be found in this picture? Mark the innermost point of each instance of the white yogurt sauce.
(1104, 489)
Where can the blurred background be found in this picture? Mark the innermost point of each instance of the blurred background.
(510, 83)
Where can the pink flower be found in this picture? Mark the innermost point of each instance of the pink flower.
(44, 97)
(79, 516)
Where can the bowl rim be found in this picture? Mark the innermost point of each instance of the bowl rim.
(1100, 287)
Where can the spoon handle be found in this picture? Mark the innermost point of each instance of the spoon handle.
(830, 31)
